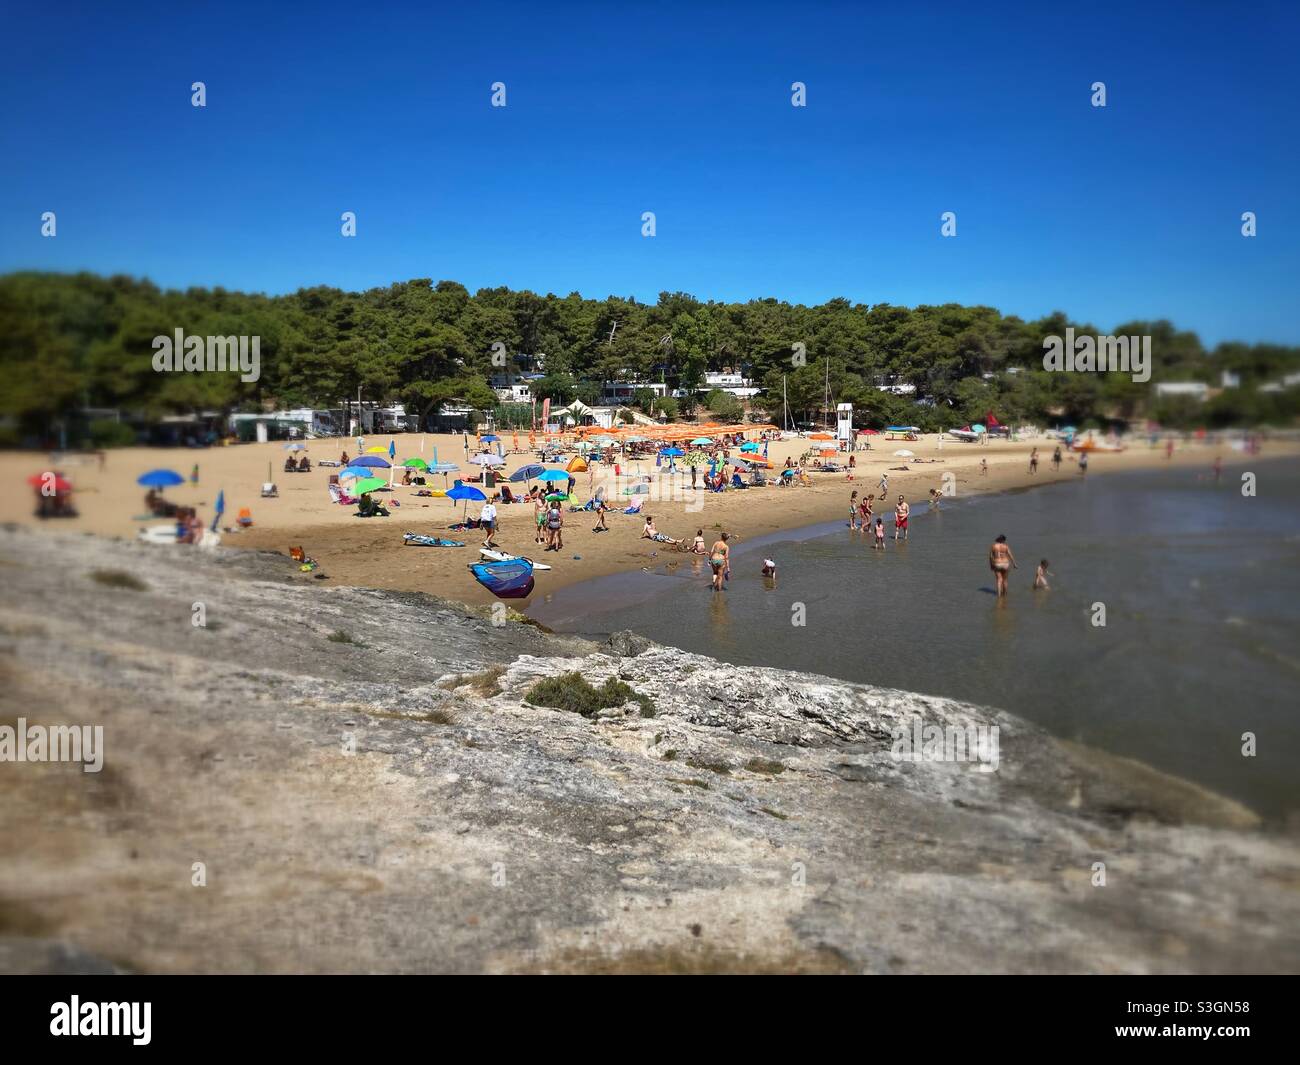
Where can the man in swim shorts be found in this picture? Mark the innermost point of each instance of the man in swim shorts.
(901, 513)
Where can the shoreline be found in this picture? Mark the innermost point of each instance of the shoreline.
(369, 553)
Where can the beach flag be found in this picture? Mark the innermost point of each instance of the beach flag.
(221, 509)
(392, 450)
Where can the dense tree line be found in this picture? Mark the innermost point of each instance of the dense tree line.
(77, 341)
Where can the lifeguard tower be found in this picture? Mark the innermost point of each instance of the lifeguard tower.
(844, 426)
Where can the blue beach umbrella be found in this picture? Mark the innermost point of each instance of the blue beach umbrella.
(553, 475)
(355, 471)
(749, 445)
(672, 452)
(373, 461)
(465, 492)
(160, 479)
(489, 437)
(527, 473)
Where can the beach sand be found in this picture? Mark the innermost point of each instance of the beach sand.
(370, 552)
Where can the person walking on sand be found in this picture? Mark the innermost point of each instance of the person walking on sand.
(1083, 463)
(1056, 459)
(884, 484)
(719, 559)
(1001, 560)
(487, 519)
(984, 467)
(539, 519)
(1033, 461)
(900, 518)
(554, 527)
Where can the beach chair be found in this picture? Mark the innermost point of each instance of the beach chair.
(269, 491)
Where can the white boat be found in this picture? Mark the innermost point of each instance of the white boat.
(969, 436)
(501, 556)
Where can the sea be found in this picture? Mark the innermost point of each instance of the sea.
(1170, 633)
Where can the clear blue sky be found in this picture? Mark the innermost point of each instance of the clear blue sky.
(1109, 214)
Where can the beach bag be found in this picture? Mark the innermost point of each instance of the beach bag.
(553, 518)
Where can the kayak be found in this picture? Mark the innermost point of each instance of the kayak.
(501, 556)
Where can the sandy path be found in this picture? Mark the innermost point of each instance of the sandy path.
(370, 552)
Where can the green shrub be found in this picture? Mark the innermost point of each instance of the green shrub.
(573, 692)
(116, 578)
(109, 433)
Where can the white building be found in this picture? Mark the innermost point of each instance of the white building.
(622, 393)
(1191, 389)
(736, 384)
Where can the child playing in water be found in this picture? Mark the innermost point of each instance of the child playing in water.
(769, 568)
(880, 535)
(853, 511)
(1040, 577)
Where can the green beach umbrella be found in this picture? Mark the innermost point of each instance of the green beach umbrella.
(369, 484)
(416, 464)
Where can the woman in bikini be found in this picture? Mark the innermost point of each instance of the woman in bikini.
(1001, 561)
(719, 555)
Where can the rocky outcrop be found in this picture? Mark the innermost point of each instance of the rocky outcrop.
(326, 779)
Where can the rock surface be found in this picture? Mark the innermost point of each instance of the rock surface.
(361, 785)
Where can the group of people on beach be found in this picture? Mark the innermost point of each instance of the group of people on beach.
(1002, 562)
(863, 511)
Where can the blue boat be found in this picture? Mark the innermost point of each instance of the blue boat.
(505, 580)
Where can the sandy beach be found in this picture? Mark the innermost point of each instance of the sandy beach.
(370, 552)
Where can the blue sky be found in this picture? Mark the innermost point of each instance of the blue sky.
(1130, 211)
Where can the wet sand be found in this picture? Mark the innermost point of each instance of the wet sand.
(370, 552)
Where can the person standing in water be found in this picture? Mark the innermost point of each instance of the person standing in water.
(1218, 467)
(884, 485)
(1040, 577)
(1033, 461)
(1001, 560)
(719, 557)
(1056, 459)
(879, 544)
(901, 513)
(1083, 463)
(853, 512)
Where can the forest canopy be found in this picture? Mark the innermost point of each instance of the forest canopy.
(73, 341)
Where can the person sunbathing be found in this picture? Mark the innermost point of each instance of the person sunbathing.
(290, 466)
(304, 465)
